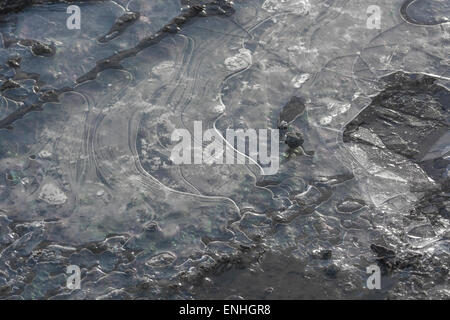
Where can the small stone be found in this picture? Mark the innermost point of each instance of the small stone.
(151, 226)
(325, 254)
(14, 62)
(294, 140)
(42, 49)
(171, 28)
(332, 271)
(127, 18)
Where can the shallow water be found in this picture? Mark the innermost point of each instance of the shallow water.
(88, 181)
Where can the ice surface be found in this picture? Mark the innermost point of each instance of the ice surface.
(88, 179)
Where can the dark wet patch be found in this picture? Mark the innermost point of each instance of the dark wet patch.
(14, 62)
(294, 139)
(407, 116)
(42, 49)
(38, 48)
(294, 108)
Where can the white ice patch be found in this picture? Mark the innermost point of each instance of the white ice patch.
(333, 110)
(240, 61)
(367, 135)
(299, 80)
(163, 68)
(53, 195)
(326, 120)
(296, 6)
(219, 109)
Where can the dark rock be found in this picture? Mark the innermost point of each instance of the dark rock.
(381, 251)
(14, 62)
(324, 254)
(283, 128)
(294, 140)
(152, 226)
(437, 168)
(50, 96)
(42, 49)
(433, 204)
(268, 181)
(332, 271)
(283, 125)
(9, 84)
